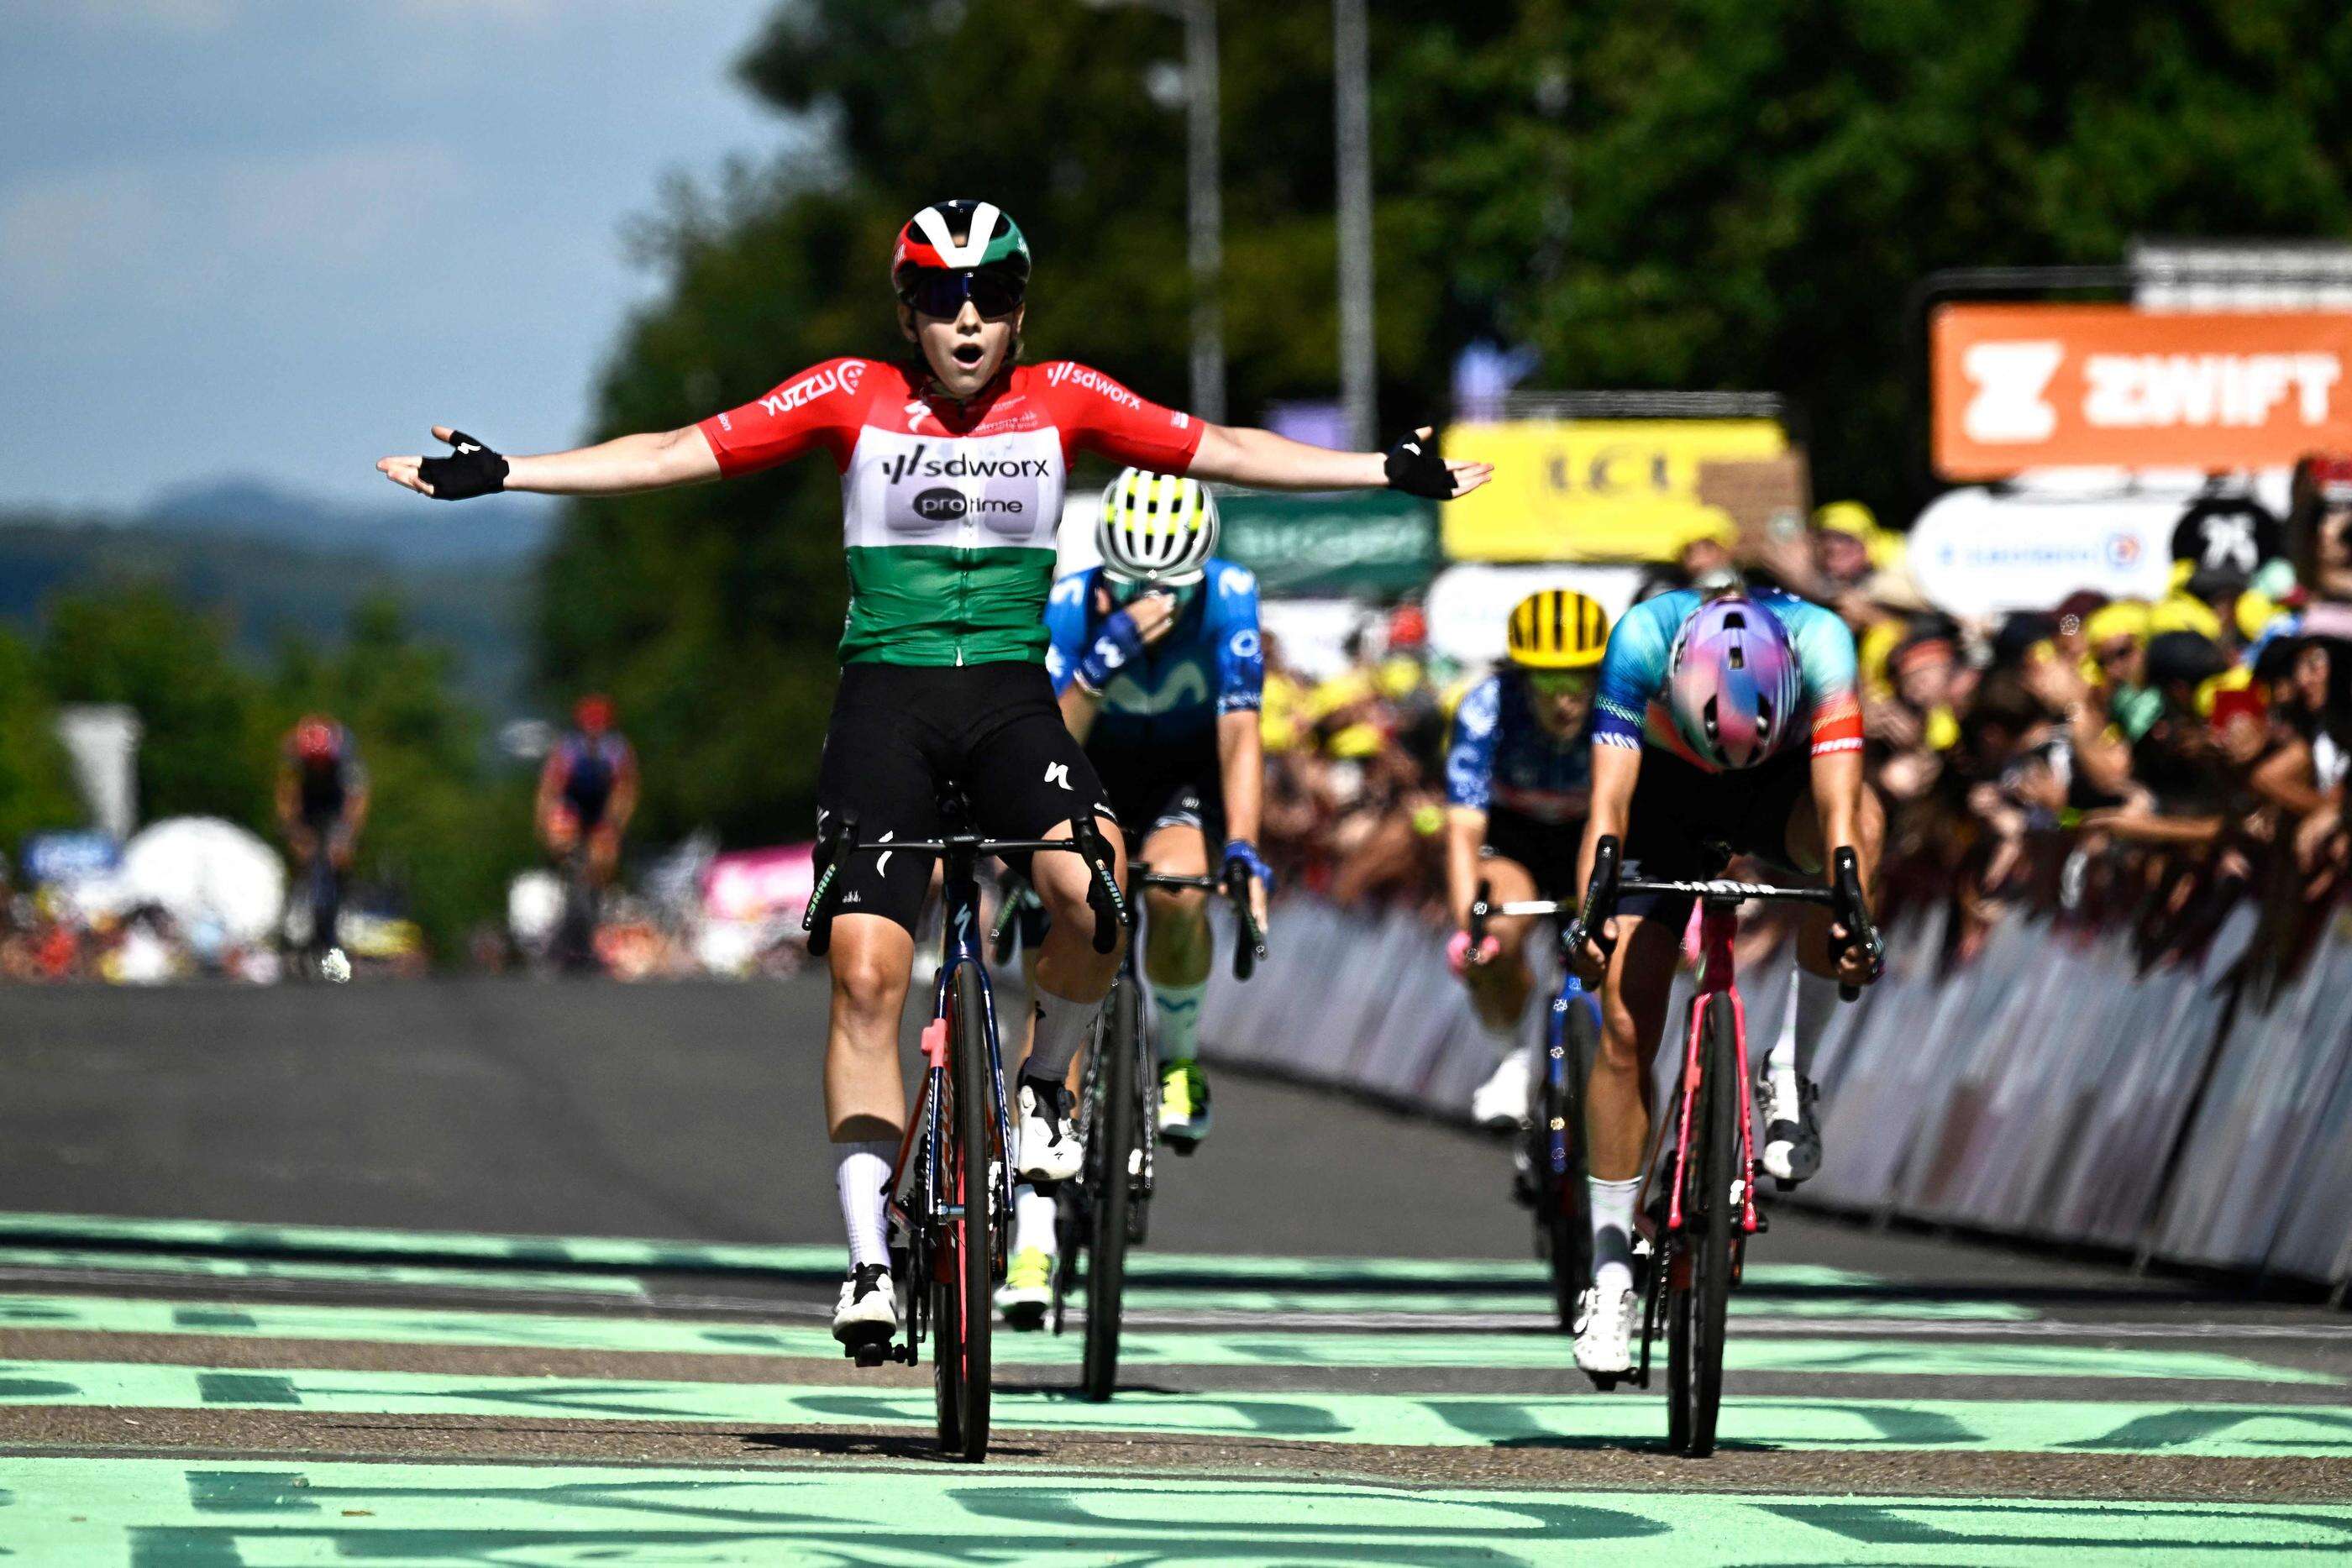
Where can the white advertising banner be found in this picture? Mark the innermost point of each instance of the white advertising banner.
(1978, 553)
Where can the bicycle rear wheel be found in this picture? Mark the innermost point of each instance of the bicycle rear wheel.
(1699, 1288)
(960, 1284)
(1563, 1198)
(1109, 1151)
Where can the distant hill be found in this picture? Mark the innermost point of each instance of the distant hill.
(406, 529)
(270, 583)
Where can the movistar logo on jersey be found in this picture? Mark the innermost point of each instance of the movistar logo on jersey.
(1186, 686)
(841, 378)
(1093, 380)
(916, 465)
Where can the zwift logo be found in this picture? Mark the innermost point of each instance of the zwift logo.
(841, 378)
(915, 465)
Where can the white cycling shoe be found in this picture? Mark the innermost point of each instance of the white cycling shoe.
(1050, 1150)
(1604, 1339)
(1502, 1101)
(1792, 1132)
(867, 1312)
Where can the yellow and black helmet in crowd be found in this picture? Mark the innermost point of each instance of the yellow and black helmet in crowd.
(1557, 629)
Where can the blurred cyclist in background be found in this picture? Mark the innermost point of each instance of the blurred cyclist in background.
(1519, 778)
(1157, 661)
(587, 793)
(323, 804)
(588, 790)
(1729, 720)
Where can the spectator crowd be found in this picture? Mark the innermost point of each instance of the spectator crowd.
(2150, 762)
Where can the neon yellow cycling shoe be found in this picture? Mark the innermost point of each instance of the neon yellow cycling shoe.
(1028, 1289)
(1183, 1105)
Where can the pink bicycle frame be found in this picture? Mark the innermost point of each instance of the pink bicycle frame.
(1719, 924)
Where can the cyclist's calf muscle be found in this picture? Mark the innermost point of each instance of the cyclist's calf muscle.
(864, 1093)
(1633, 1017)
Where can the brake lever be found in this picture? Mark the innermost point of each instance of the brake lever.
(816, 919)
(1103, 896)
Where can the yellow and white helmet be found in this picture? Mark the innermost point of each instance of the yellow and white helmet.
(1158, 530)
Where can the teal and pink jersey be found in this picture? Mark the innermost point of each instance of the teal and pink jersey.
(1631, 710)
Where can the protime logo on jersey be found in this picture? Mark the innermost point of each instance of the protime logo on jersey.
(2031, 385)
(945, 506)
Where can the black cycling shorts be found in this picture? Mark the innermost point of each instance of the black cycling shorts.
(1547, 851)
(901, 733)
(1165, 786)
(1679, 812)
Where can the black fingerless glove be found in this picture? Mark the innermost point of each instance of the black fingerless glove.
(1413, 468)
(472, 469)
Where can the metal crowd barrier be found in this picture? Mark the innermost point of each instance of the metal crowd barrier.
(2049, 1089)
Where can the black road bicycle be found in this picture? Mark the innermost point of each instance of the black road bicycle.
(951, 1187)
(1550, 1160)
(1107, 1209)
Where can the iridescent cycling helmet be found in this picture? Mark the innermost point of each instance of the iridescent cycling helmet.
(1733, 683)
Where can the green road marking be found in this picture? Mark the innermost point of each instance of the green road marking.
(2237, 1431)
(1548, 1352)
(1441, 1304)
(1485, 1274)
(244, 1515)
(296, 1269)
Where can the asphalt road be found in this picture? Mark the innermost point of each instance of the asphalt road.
(520, 1272)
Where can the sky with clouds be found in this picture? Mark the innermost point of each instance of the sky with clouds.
(283, 238)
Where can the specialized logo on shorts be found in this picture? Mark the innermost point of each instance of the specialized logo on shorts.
(1058, 773)
(841, 378)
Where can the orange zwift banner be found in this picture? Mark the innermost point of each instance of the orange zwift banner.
(2018, 386)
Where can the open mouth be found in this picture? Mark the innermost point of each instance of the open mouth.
(968, 355)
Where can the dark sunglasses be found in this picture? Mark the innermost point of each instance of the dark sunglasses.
(938, 293)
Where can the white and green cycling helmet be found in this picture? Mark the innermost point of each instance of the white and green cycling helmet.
(1157, 530)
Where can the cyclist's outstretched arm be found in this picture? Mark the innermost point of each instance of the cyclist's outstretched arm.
(656, 460)
(1264, 461)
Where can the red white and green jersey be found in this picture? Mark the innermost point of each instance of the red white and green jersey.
(949, 509)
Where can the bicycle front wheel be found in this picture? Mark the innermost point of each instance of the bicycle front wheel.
(1109, 1158)
(1563, 1198)
(960, 1285)
(1699, 1290)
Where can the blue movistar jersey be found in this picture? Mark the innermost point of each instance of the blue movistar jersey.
(1209, 663)
(1503, 759)
(1632, 707)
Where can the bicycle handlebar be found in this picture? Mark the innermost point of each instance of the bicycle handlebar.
(838, 841)
(1843, 896)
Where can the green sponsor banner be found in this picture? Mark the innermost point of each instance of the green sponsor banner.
(1364, 544)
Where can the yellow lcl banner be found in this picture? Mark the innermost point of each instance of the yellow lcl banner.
(1594, 489)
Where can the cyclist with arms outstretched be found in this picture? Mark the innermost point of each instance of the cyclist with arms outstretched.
(952, 463)
(1156, 662)
(1518, 776)
(1726, 719)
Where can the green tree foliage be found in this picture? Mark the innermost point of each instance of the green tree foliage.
(35, 784)
(1693, 193)
(444, 831)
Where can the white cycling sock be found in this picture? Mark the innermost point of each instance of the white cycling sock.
(1177, 1009)
(1612, 1233)
(1812, 1002)
(1063, 1028)
(859, 1173)
(1032, 1221)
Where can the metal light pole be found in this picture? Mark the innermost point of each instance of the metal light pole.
(1359, 374)
(1205, 216)
(1204, 221)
